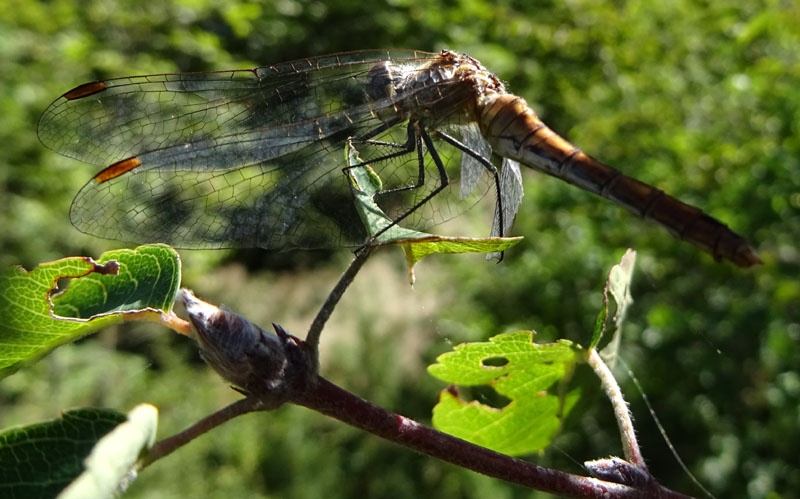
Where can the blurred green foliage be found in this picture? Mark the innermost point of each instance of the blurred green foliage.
(701, 99)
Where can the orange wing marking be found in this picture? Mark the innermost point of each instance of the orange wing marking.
(85, 90)
(117, 169)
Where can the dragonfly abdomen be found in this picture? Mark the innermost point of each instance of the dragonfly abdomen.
(514, 131)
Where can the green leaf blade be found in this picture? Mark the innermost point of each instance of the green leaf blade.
(418, 249)
(515, 367)
(147, 283)
(39, 460)
(618, 286)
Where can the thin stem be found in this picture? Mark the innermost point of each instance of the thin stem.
(331, 400)
(281, 371)
(168, 445)
(621, 413)
(314, 332)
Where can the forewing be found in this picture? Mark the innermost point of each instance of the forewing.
(248, 158)
(278, 190)
(105, 122)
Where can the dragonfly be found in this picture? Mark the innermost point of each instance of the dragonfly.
(254, 158)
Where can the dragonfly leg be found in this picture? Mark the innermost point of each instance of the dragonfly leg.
(420, 136)
(406, 148)
(413, 141)
(444, 181)
(486, 164)
(420, 172)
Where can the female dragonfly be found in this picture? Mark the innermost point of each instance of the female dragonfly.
(254, 158)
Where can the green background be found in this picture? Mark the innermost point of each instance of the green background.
(701, 99)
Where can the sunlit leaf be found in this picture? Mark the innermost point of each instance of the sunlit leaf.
(418, 249)
(140, 285)
(532, 375)
(110, 466)
(39, 460)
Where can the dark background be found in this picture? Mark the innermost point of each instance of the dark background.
(701, 99)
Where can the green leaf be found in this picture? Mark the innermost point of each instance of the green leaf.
(34, 321)
(515, 367)
(618, 286)
(365, 184)
(418, 249)
(111, 465)
(41, 459)
(148, 278)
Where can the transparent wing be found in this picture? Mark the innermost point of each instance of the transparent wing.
(511, 192)
(104, 122)
(248, 158)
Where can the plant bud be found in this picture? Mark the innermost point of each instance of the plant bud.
(241, 352)
(615, 469)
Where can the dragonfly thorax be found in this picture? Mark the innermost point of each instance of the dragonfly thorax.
(382, 82)
(443, 91)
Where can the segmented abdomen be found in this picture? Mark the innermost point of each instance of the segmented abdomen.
(515, 132)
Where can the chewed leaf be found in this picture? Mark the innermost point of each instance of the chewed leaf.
(39, 460)
(140, 284)
(148, 278)
(531, 375)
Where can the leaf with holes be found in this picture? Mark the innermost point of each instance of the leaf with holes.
(138, 284)
(533, 376)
